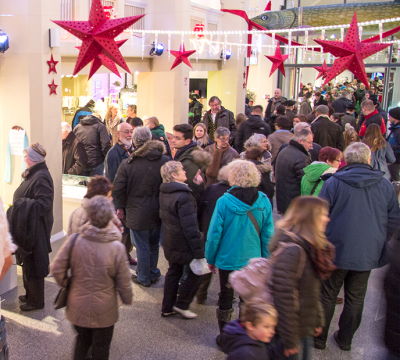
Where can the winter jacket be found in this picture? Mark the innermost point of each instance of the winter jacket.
(137, 185)
(290, 114)
(208, 202)
(288, 173)
(159, 132)
(94, 136)
(380, 159)
(37, 187)
(195, 107)
(277, 139)
(81, 114)
(312, 177)
(394, 140)
(364, 213)
(349, 119)
(73, 155)
(327, 133)
(239, 346)
(380, 110)
(340, 105)
(224, 118)
(272, 105)
(321, 101)
(392, 291)
(232, 239)
(305, 107)
(182, 240)
(296, 290)
(100, 276)
(373, 118)
(266, 185)
(112, 162)
(254, 125)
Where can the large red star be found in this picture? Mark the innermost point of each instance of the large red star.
(182, 55)
(322, 70)
(52, 65)
(102, 60)
(277, 61)
(350, 54)
(98, 35)
(53, 88)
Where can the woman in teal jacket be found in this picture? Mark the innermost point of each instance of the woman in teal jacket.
(240, 229)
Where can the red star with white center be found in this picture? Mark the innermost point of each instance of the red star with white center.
(322, 70)
(52, 65)
(277, 61)
(182, 56)
(53, 88)
(98, 35)
(350, 53)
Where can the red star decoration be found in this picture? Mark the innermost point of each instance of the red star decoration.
(102, 60)
(322, 70)
(244, 85)
(182, 55)
(350, 54)
(277, 61)
(53, 88)
(52, 65)
(98, 35)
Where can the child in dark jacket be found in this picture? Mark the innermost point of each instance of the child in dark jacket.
(247, 338)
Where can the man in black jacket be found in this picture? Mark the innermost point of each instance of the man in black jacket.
(319, 99)
(254, 125)
(83, 112)
(289, 166)
(394, 141)
(273, 103)
(94, 136)
(349, 117)
(136, 188)
(290, 113)
(219, 116)
(73, 152)
(340, 104)
(326, 132)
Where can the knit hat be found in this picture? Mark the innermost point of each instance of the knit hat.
(395, 113)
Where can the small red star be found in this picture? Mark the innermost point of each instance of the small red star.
(52, 65)
(350, 53)
(244, 85)
(322, 70)
(277, 61)
(53, 88)
(182, 55)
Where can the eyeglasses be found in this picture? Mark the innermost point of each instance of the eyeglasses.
(309, 142)
(223, 139)
(126, 132)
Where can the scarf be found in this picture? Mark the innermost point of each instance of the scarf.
(129, 151)
(211, 127)
(212, 170)
(182, 150)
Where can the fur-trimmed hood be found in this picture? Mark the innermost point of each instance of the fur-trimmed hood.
(199, 156)
(264, 168)
(152, 149)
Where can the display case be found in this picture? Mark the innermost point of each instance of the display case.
(74, 186)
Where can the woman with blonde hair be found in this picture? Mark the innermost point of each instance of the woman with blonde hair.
(200, 136)
(112, 119)
(240, 229)
(304, 257)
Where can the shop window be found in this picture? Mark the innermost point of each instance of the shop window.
(67, 10)
(193, 25)
(131, 10)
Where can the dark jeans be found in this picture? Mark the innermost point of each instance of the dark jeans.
(3, 340)
(226, 295)
(97, 338)
(355, 288)
(147, 248)
(305, 350)
(34, 290)
(98, 170)
(187, 290)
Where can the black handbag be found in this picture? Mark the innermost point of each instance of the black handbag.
(62, 296)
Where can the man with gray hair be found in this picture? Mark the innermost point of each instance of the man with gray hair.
(136, 188)
(74, 156)
(340, 104)
(364, 213)
(219, 116)
(222, 154)
(289, 166)
(326, 132)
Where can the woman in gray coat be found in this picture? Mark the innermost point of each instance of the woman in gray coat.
(100, 273)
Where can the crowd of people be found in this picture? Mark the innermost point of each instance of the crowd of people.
(205, 193)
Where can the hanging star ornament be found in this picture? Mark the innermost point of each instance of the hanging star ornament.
(98, 35)
(182, 56)
(277, 61)
(52, 65)
(102, 60)
(53, 88)
(322, 70)
(350, 53)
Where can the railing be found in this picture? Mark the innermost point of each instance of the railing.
(67, 10)
(131, 10)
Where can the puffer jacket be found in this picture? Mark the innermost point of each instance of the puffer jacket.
(296, 290)
(95, 138)
(100, 272)
(182, 240)
(312, 175)
(381, 158)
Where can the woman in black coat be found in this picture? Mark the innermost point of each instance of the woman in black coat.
(182, 240)
(37, 193)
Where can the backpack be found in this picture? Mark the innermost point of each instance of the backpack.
(254, 280)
